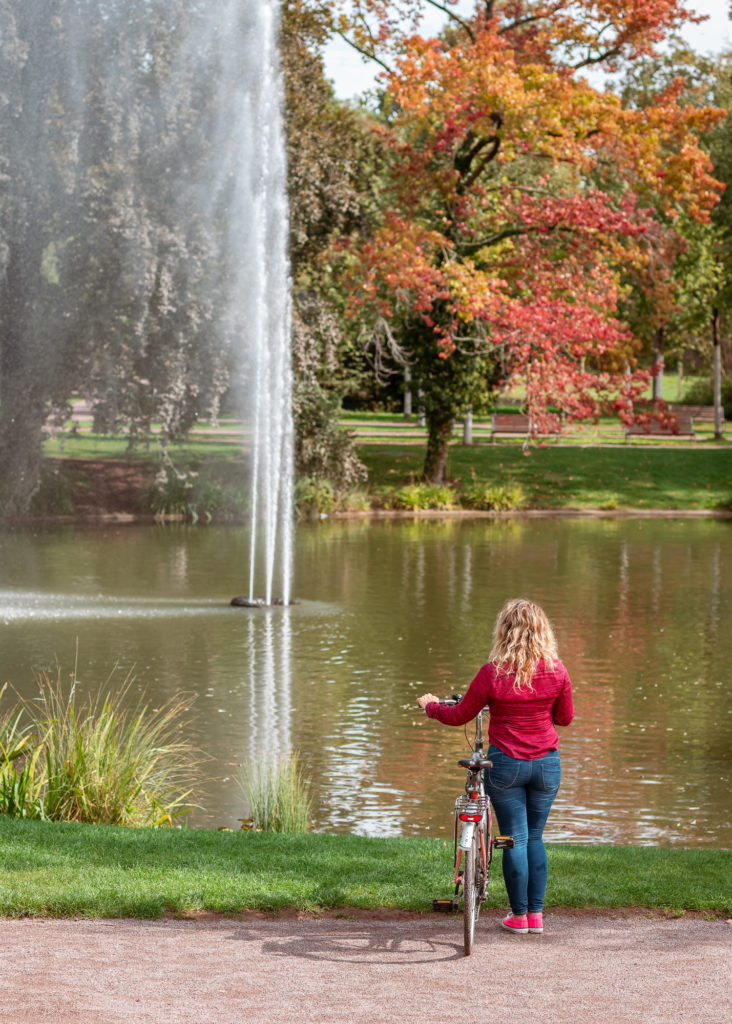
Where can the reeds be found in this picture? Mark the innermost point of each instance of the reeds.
(105, 760)
(20, 782)
(278, 794)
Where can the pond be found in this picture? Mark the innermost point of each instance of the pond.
(641, 609)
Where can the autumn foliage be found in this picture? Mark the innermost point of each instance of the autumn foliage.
(522, 201)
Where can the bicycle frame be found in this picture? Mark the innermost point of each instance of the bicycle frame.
(473, 811)
(473, 853)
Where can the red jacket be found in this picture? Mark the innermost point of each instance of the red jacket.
(521, 722)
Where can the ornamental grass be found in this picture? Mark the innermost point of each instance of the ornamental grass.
(278, 794)
(107, 759)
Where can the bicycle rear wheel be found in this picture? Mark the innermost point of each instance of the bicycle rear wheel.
(471, 897)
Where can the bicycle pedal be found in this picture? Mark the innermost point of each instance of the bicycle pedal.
(444, 906)
(503, 843)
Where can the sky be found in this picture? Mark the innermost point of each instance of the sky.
(352, 75)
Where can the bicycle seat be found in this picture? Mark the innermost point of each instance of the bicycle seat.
(468, 762)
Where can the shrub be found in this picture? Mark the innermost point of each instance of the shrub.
(496, 497)
(169, 493)
(356, 500)
(278, 794)
(314, 495)
(54, 494)
(701, 392)
(414, 497)
(323, 447)
(194, 496)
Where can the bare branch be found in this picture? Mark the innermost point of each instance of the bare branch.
(471, 248)
(364, 53)
(454, 17)
(601, 57)
(492, 152)
(462, 160)
(462, 163)
(541, 16)
(386, 350)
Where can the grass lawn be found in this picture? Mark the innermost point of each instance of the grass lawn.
(99, 446)
(105, 871)
(634, 476)
(563, 477)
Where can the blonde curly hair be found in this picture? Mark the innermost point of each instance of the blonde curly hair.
(522, 637)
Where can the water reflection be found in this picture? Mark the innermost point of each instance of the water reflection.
(389, 610)
(266, 729)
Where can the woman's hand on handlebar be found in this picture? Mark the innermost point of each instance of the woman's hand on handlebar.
(427, 698)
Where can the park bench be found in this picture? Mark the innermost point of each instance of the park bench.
(702, 413)
(683, 428)
(511, 424)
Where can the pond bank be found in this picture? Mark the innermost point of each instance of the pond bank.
(69, 870)
(550, 481)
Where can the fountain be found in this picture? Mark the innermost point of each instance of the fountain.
(146, 264)
(253, 150)
(262, 291)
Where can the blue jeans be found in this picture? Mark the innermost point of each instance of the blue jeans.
(522, 793)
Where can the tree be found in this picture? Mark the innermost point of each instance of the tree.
(333, 169)
(673, 302)
(114, 261)
(518, 196)
(720, 149)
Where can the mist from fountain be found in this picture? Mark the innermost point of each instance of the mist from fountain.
(254, 159)
(167, 170)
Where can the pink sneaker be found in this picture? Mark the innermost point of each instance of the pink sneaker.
(536, 923)
(519, 925)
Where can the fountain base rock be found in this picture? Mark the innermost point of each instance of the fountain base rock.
(259, 602)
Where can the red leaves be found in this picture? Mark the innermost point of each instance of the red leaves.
(522, 193)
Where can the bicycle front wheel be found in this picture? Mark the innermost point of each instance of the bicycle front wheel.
(471, 897)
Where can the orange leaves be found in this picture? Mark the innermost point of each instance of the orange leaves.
(449, 91)
(659, 150)
(401, 264)
(520, 195)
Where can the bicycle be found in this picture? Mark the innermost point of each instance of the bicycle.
(477, 842)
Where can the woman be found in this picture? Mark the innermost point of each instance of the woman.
(527, 691)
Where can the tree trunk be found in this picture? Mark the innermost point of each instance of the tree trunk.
(718, 414)
(658, 364)
(22, 416)
(20, 466)
(22, 412)
(439, 432)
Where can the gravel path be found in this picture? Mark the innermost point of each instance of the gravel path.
(582, 970)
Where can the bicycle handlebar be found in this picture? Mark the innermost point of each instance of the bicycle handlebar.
(454, 699)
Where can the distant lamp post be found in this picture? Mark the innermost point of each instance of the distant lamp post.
(718, 412)
(468, 427)
(658, 364)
